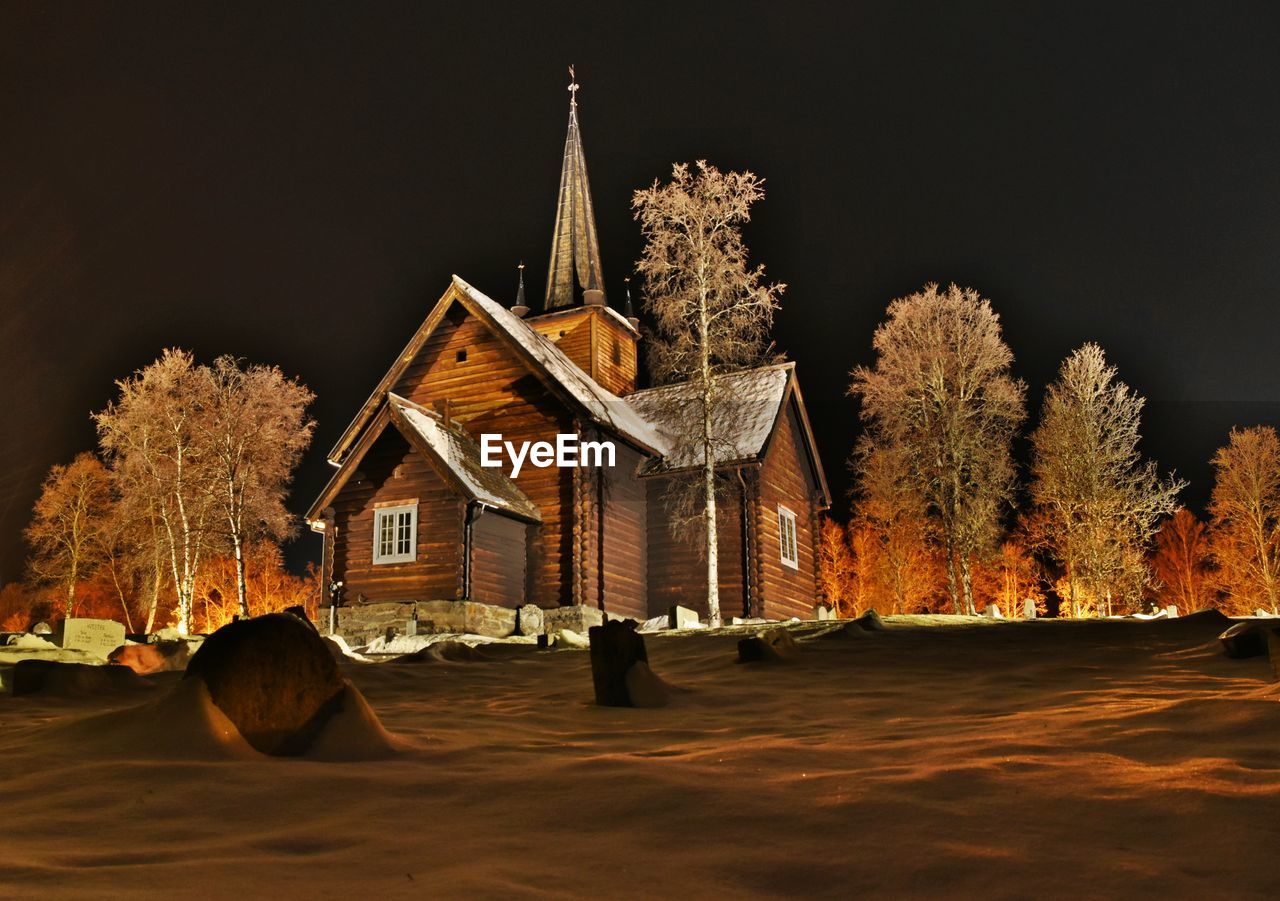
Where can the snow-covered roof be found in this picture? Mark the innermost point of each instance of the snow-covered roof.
(745, 406)
(457, 451)
(605, 407)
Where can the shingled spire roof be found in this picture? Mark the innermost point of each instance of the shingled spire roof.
(575, 249)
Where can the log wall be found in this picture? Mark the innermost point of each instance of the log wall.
(785, 478)
(677, 574)
(624, 509)
(492, 390)
(498, 560)
(391, 472)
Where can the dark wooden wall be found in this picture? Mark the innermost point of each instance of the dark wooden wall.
(436, 574)
(492, 390)
(785, 478)
(624, 547)
(498, 560)
(676, 572)
(589, 339)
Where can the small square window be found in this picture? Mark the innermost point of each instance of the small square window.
(461, 356)
(787, 538)
(395, 534)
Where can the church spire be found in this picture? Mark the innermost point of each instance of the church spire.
(575, 249)
(520, 308)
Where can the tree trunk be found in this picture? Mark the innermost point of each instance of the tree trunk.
(242, 593)
(709, 476)
(952, 588)
(124, 605)
(966, 583)
(157, 573)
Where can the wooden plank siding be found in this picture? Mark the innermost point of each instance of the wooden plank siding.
(498, 560)
(392, 471)
(615, 355)
(599, 344)
(623, 521)
(492, 391)
(677, 573)
(785, 478)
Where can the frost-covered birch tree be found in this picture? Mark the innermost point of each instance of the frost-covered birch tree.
(253, 431)
(1098, 503)
(713, 313)
(942, 397)
(151, 438)
(1245, 510)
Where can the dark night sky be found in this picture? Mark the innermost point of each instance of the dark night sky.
(296, 186)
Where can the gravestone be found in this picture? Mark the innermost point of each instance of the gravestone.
(992, 611)
(529, 620)
(682, 618)
(822, 613)
(1028, 609)
(1171, 610)
(615, 648)
(96, 636)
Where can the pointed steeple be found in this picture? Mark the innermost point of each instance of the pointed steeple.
(575, 249)
(520, 308)
(628, 310)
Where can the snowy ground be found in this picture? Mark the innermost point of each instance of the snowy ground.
(1032, 760)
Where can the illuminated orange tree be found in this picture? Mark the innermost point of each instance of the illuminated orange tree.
(1010, 578)
(269, 586)
(68, 532)
(835, 567)
(1183, 563)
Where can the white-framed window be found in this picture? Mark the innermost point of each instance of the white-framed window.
(787, 537)
(395, 533)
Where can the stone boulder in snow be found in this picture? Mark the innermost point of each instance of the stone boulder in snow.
(768, 646)
(871, 621)
(274, 678)
(1244, 640)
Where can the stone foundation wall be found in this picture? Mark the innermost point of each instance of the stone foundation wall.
(577, 618)
(361, 623)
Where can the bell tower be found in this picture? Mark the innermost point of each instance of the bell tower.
(592, 334)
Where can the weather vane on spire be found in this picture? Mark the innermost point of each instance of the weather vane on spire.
(573, 88)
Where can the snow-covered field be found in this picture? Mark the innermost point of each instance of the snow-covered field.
(1031, 760)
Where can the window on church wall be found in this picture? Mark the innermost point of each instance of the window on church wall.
(787, 538)
(617, 354)
(395, 533)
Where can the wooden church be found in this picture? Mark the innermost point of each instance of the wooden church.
(412, 516)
